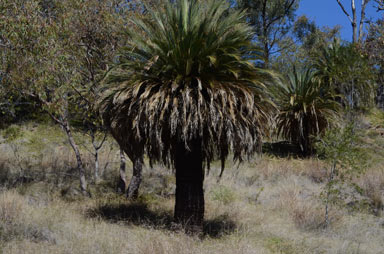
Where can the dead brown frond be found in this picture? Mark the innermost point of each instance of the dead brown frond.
(158, 116)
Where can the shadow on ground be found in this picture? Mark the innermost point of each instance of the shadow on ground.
(282, 149)
(138, 213)
(219, 226)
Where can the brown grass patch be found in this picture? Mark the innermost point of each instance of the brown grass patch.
(372, 185)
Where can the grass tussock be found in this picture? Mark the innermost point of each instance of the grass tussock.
(372, 186)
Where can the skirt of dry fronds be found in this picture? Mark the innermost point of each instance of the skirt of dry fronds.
(157, 118)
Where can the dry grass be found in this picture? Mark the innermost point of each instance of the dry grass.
(269, 205)
(372, 186)
(298, 198)
(11, 207)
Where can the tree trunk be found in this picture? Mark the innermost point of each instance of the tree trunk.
(189, 207)
(354, 22)
(122, 181)
(265, 35)
(96, 147)
(305, 143)
(83, 182)
(266, 55)
(352, 19)
(133, 188)
(96, 157)
(62, 120)
(362, 19)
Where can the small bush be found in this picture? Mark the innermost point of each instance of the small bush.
(224, 195)
(280, 245)
(12, 133)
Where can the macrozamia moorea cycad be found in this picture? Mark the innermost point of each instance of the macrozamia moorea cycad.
(307, 107)
(186, 92)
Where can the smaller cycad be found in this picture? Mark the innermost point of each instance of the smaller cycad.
(307, 107)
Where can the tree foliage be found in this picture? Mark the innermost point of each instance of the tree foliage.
(306, 40)
(347, 69)
(56, 52)
(374, 49)
(272, 21)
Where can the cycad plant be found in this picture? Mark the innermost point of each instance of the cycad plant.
(307, 108)
(185, 91)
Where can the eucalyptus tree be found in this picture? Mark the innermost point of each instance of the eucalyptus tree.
(348, 70)
(308, 39)
(272, 21)
(97, 32)
(92, 39)
(57, 53)
(187, 93)
(357, 26)
(38, 67)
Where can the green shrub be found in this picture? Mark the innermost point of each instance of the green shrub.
(224, 195)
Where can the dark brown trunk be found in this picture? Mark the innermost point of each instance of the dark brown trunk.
(265, 34)
(134, 185)
(189, 207)
(305, 139)
(266, 54)
(122, 185)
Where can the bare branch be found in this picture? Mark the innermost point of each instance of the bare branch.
(345, 11)
(287, 8)
(46, 103)
(102, 141)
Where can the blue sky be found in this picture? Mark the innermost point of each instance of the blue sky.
(329, 13)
